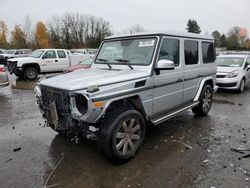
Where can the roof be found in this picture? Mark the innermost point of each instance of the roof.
(233, 55)
(168, 33)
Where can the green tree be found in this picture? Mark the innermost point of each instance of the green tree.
(223, 41)
(233, 40)
(217, 36)
(193, 27)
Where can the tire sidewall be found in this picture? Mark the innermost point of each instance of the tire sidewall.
(207, 87)
(113, 128)
(34, 70)
(241, 83)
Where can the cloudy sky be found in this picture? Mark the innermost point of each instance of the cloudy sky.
(151, 14)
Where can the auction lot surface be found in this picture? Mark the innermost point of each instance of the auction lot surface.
(32, 154)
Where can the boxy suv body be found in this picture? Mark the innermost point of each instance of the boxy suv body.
(135, 81)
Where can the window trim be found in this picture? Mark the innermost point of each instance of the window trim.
(198, 53)
(174, 38)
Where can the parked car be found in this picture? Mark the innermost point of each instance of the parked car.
(1, 51)
(144, 80)
(85, 64)
(8, 54)
(233, 71)
(42, 61)
(4, 80)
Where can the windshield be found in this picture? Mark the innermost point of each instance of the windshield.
(37, 53)
(88, 61)
(229, 61)
(128, 51)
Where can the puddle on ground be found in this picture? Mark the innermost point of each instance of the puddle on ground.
(23, 84)
(223, 102)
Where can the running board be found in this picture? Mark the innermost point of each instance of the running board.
(174, 113)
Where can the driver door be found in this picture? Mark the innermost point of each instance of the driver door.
(168, 84)
(50, 61)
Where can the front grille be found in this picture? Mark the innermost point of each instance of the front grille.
(61, 98)
(12, 65)
(220, 76)
(226, 85)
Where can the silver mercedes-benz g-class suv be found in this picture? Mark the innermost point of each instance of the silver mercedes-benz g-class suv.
(135, 80)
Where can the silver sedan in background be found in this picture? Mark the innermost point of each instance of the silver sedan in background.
(4, 79)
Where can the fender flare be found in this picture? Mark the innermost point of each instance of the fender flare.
(31, 65)
(202, 83)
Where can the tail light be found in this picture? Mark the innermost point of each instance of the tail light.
(2, 69)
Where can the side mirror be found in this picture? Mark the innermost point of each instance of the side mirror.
(164, 64)
(248, 67)
(44, 57)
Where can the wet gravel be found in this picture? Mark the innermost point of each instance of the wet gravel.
(186, 151)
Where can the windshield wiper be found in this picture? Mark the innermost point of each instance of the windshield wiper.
(106, 62)
(125, 61)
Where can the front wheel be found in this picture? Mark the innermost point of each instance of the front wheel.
(121, 134)
(242, 86)
(31, 73)
(205, 101)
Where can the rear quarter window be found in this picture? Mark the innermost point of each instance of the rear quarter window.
(208, 54)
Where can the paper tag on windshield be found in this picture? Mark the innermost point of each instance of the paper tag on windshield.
(146, 43)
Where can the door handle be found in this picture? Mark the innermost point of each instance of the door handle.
(56, 60)
(179, 80)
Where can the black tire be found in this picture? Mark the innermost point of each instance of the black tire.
(111, 140)
(242, 85)
(19, 74)
(205, 100)
(31, 73)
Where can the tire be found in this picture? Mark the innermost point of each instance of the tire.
(205, 101)
(121, 134)
(19, 74)
(31, 73)
(242, 86)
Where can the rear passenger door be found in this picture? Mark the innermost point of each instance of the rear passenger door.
(63, 60)
(192, 69)
(168, 85)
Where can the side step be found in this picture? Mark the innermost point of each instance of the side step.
(173, 113)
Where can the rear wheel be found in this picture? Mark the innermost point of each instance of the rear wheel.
(121, 134)
(205, 100)
(31, 73)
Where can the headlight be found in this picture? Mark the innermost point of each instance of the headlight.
(233, 74)
(37, 91)
(81, 103)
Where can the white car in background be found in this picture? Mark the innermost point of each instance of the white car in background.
(233, 71)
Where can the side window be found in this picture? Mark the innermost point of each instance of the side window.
(208, 52)
(61, 54)
(17, 53)
(191, 52)
(50, 54)
(170, 50)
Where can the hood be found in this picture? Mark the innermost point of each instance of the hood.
(227, 69)
(24, 59)
(83, 78)
(76, 67)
